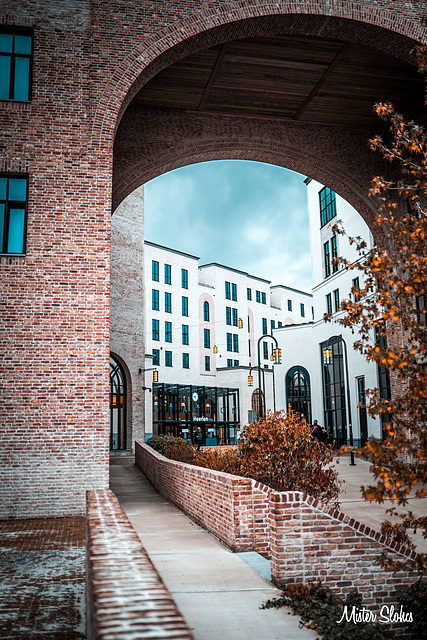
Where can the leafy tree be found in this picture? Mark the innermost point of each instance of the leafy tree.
(388, 311)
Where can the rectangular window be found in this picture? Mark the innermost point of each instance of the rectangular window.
(302, 309)
(229, 342)
(235, 318)
(228, 291)
(249, 293)
(156, 357)
(155, 330)
(235, 363)
(168, 302)
(327, 259)
(263, 298)
(279, 324)
(207, 338)
(185, 361)
(184, 278)
(235, 343)
(328, 207)
(155, 299)
(289, 305)
(421, 310)
(265, 350)
(249, 324)
(229, 363)
(207, 363)
(15, 65)
(168, 274)
(13, 213)
(227, 315)
(328, 303)
(155, 270)
(356, 288)
(184, 306)
(185, 334)
(334, 254)
(264, 326)
(249, 348)
(312, 312)
(234, 292)
(272, 325)
(168, 358)
(258, 296)
(337, 299)
(168, 331)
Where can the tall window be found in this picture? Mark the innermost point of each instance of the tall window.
(207, 363)
(15, 65)
(13, 213)
(229, 342)
(207, 338)
(168, 302)
(235, 318)
(337, 300)
(235, 363)
(168, 274)
(168, 358)
(117, 406)
(334, 402)
(302, 309)
(168, 331)
(155, 270)
(234, 292)
(328, 208)
(258, 296)
(328, 303)
(334, 254)
(229, 362)
(272, 325)
(235, 343)
(185, 334)
(249, 293)
(206, 311)
(156, 357)
(184, 278)
(265, 350)
(327, 259)
(155, 299)
(184, 306)
(228, 290)
(289, 305)
(263, 298)
(155, 330)
(227, 315)
(421, 310)
(264, 327)
(298, 396)
(356, 288)
(185, 360)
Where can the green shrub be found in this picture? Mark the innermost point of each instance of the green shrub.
(414, 599)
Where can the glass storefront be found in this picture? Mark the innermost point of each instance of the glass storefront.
(179, 409)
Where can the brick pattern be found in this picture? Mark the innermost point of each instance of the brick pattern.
(125, 595)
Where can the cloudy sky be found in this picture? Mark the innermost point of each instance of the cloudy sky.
(246, 215)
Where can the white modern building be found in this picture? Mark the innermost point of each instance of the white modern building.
(208, 327)
(322, 376)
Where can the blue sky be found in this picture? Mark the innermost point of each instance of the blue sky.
(246, 215)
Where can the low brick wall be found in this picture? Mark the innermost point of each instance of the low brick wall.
(305, 540)
(126, 597)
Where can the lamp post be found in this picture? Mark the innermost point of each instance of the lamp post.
(277, 359)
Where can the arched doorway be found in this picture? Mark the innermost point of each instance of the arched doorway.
(255, 402)
(298, 393)
(118, 431)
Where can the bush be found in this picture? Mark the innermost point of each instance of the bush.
(414, 599)
(174, 448)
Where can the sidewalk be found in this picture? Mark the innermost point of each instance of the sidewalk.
(218, 593)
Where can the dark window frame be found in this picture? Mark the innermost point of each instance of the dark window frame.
(12, 204)
(16, 31)
(185, 334)
(155, 305)
(155, 270)
(328, 207)
(184, 278)
(185, 360)
(168, 331)
(168, 274)
(168, 302)
(184, 306)
(206, 311)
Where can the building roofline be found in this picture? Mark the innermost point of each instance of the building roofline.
(283, 286)
(243, 273)
(181, 253)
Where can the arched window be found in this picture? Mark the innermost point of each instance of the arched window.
(117, 406)
(206, 311)
(298, 395)
(256, 409)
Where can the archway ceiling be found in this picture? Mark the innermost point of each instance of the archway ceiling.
(305, 79)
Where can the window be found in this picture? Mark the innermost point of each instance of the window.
(206, 311)
(168, 302)
(234, 292)
(15, 66)
(228, 291)
(229, 342)
(263, 298)
(156, 357)
(168, 358)
(328, 209)
(356, 288)
(289, 305)
(229, 363)
(312, 312)
(13, 213)
(227, 315)
(279, 324)
(168, 274)
(155, 270)
(249, 348)
(249, 324)
(264, 326)
(328, 303)
(207, 338)
(258, 296)
(155, 299)
(298, 396)
(168, 331)
(184, 306)
(421, 310)
(302, 310)
(184, 278)
(327, 259)
(185, 334)
(235, 343)
(155, 330)
(235, 363)
(337, 299)
(272, 325)
(249, 293)
(235, 318)
(334, 254)
(265, 350)
(185, 361)
(207, 363)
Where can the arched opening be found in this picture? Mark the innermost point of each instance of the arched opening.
(335, 388)
(255, 403)
(298, 393)
(118, 400)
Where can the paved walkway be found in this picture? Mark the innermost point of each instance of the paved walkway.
(218, 593)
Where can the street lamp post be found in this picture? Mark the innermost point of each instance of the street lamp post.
(277, 360)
